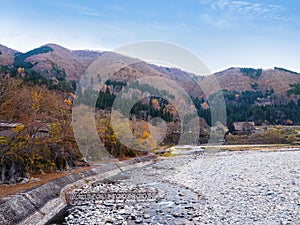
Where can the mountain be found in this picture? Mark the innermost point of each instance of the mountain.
(137, 70)
(58, 59)
(189, 81)
(56, 62)
(249, 79)
(51, 60)
(278, 80)
(231, 79)
(6, 55)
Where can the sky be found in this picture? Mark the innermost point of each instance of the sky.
(222, 33)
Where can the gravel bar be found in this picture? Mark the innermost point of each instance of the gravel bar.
(249, 187)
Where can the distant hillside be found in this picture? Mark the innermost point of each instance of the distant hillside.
(59, 63)
(189, 81)
(136, 71)
(73, 63)
(249, 79)
(86, 57)
(6, 55)
(278, 80)
(51, 60)
(231, 79)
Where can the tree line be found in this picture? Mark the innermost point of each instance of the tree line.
(246, 106)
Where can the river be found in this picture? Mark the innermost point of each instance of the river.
(249, 187)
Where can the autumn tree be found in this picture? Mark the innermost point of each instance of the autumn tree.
(36, 108)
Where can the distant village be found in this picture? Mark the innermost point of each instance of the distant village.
(238, 133)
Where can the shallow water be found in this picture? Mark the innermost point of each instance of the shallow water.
(59, 219)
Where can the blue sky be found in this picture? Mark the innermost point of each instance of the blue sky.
(222, 33)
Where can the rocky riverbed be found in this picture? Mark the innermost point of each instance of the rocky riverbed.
(252, 187)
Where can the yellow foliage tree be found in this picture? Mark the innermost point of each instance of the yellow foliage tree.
(18, 128)
(36, 99)
(155, 103)
(68, 102)
(20, 70)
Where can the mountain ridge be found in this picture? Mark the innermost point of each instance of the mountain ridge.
(51, 59)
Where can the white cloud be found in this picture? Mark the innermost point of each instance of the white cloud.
(272, 12)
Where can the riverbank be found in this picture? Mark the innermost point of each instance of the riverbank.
(253, 147)
(186, 149)
(9, 190)
(40, 204)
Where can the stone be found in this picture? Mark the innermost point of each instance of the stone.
(146, 216)
(139, 220)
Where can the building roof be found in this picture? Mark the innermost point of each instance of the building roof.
(10, 125)
(243, 126)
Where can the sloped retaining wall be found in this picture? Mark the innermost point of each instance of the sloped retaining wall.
(40, 204)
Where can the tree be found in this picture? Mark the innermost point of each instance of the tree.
(23, 150)
(295, 89)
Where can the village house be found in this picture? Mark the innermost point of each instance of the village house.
(7, 129)
(243, 127)
(263, 102)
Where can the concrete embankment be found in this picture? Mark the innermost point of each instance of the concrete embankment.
(40, 204)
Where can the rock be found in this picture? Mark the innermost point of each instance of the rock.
(139, 220)
(146, 216)
(159, 210)
(122, 211)
(176, 215)
(70, 217)
(132, 216)
(109, 221)
(270, 193)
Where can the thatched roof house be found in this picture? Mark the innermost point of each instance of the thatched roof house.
(6, 129)
(243, 127)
